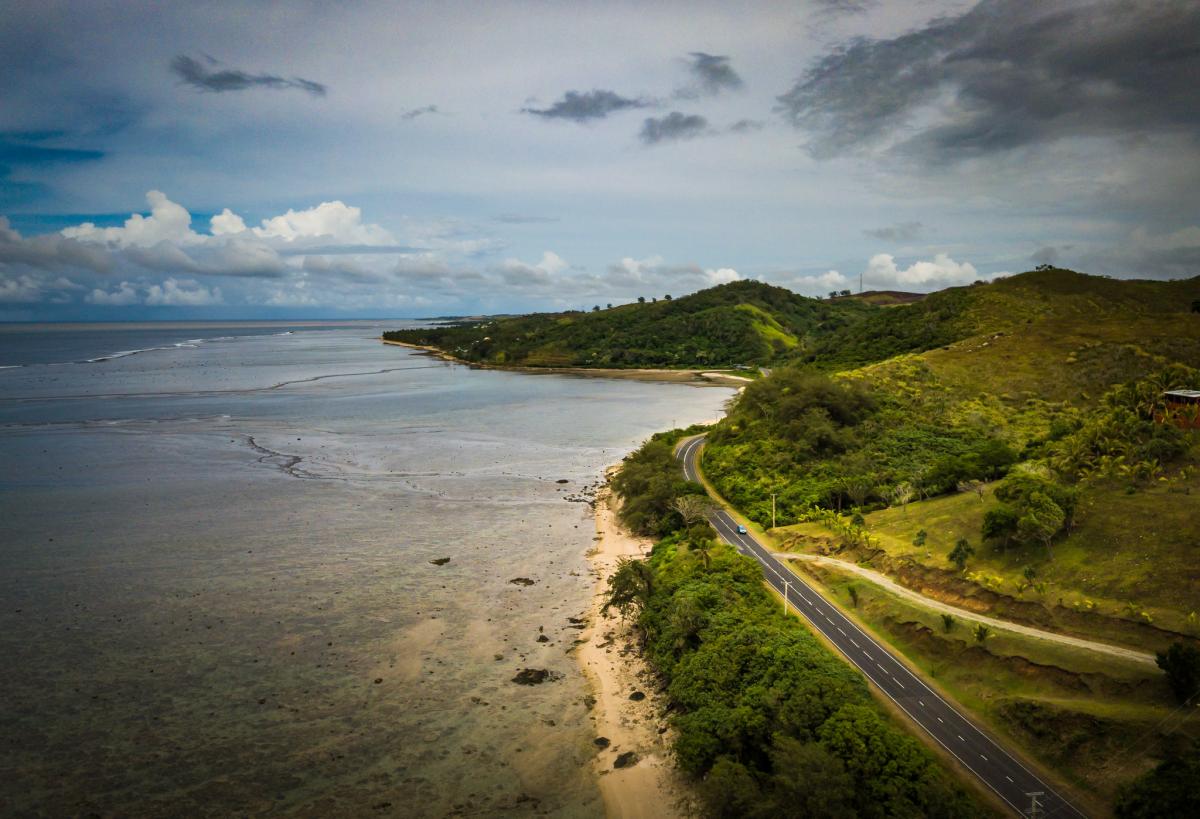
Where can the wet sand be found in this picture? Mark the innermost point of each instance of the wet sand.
(612, 662)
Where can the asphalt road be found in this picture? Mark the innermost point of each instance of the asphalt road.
(960, 736)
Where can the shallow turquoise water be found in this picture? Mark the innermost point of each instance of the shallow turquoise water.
(210, 553)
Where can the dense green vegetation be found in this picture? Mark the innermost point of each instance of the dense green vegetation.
(650, 481)
(1171, 789)
(932, 322)
(768, 720)
(743, 323)
(1018, 384)
(816, 441)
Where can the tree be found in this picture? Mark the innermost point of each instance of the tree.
(1019, 488)
(641, 299)
(919, 540)
(843, 292)
(1041, 521)
(833, 294)
(595, 308)
(972, 485)
(852, 590)
(1196, 305)
(729, 789)
(961, 552)
(1000, 523)
(692, 508)
(1168, 790)
(1181, 662)
(1029, 573)
(858, 488)
(981, 633)
(808, 781)
(901, 494)
(630, 586)
(947, 623)
(667, 297)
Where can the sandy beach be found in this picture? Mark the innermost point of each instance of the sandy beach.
(652, 786)
(700, 378)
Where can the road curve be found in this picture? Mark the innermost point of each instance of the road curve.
(960, 736)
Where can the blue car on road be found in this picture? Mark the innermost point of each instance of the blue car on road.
(741, 529)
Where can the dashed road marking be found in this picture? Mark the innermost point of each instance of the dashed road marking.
(941, 721)
(839, 628)
(985, 759)
(856, 645)
(1009, 778)
(921, 702)
(960, 739)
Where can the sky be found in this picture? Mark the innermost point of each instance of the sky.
(318, 160)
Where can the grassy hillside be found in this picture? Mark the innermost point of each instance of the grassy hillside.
(742, 323)
(1025, 361)
(1024, 445)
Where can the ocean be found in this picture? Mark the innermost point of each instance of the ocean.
(218, 593)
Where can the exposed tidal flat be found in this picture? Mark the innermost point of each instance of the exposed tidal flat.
(216, 587)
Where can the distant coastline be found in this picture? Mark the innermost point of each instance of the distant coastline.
(699, 378)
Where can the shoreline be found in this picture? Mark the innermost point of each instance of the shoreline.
(698, 378)
(613, 664)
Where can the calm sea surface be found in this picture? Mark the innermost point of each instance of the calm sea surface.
(216, 594)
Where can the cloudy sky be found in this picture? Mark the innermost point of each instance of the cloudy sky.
(263, 159)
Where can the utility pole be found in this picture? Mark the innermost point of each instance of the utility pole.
(860, 283)
(772, 510)
(1035, 809)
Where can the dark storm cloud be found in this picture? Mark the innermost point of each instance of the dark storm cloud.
(899, 232)
(211, 78)
(745, 126)
(674, 126)
(1008, 73)
(841, 8)
(712, 75)
(21, 148)
(413, 113)
(1045, 255)
(589, 105)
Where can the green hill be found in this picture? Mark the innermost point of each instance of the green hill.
(1005, 367)
(1014, 426)
(742, 323)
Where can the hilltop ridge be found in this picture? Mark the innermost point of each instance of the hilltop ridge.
(743, 323)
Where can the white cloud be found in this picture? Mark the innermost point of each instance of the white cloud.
(49, 252)
(653, 272)
(226, 222)
(167, 222)
(20, 289)
(883, 272)
(722, 275)
(182, 292)
(817, 285)
(334, 221)
(124, 294)
(519, 273)
(27, 288)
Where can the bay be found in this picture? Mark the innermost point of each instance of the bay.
(216, 587)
